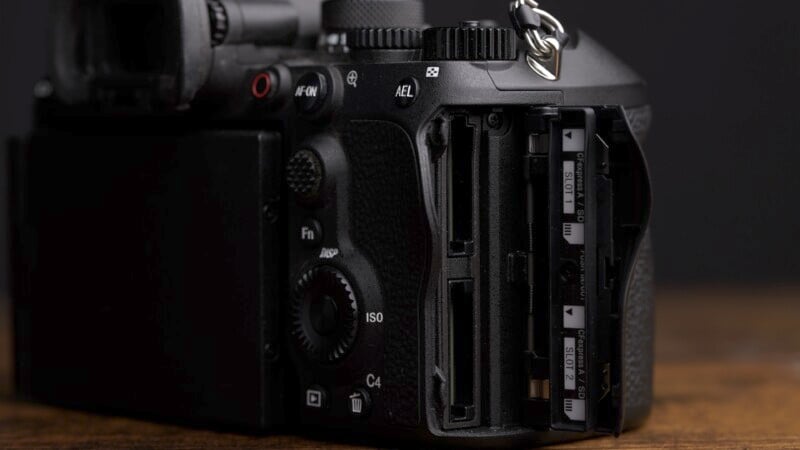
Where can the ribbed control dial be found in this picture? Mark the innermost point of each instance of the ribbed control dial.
(304, 175)
(470, 42)
(218, 17)
(384, 39)
(324, 314)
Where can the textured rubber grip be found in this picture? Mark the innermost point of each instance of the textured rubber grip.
(352, 14)
(639, 320)
(637, 340)
(389, 226)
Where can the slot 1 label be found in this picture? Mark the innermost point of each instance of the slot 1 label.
(569, 187)
(573, 282)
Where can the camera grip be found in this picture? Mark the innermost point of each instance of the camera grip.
(639, 322)
(638, 330)
(388, 225)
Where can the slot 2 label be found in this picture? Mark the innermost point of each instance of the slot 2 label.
(573, 289)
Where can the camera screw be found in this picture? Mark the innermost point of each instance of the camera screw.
(43, 89)
(271, 352)
(495, 120)
(272, 211)
(569, 271)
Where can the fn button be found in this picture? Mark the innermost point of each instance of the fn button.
(310, 233)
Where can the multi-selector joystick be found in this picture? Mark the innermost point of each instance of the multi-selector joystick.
(304, 175)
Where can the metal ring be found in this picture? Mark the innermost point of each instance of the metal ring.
(540, 65)
(552, 26)
(538, 45)
(543, 48)
(544, 42)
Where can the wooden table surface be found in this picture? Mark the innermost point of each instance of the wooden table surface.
(727, 376)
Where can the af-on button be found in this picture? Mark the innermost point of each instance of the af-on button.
(311, 92)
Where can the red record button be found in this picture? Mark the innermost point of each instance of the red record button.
(262, 85)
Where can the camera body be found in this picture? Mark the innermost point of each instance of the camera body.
(384, 233)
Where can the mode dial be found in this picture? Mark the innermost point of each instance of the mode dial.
(471, 42)
(324, 314)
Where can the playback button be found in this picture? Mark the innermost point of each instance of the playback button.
(316, 398)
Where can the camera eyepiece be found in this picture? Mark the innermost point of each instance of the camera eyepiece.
(159, 53)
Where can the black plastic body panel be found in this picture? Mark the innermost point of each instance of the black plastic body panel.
(145, 273)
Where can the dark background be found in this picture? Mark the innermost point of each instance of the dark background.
(723, 79)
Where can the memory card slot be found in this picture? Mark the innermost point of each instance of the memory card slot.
(461, 279)
(461, 186)
(461, 307)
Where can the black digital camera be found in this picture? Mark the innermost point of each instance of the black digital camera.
(250, 214)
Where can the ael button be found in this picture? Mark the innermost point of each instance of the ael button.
(359, 403)
(311, 92)
(406, 92)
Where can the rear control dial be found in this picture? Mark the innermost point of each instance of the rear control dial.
(324, 314)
